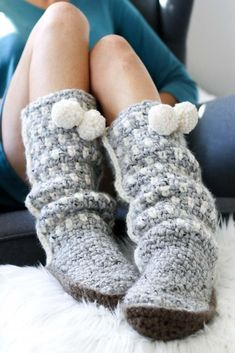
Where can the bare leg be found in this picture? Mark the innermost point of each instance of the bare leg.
(118, 77)
(161, 181)
(55, 57)
(74, 221)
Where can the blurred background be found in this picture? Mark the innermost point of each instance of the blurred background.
(211, 46)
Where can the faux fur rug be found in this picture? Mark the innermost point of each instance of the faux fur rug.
(37, 316)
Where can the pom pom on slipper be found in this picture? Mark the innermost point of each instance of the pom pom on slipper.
(165, 119)
(68, 114)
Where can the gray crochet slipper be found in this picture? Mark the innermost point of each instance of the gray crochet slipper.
(73, 220)
(172, 218)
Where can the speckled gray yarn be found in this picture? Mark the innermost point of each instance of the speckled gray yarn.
(172, 216)
(74, 220)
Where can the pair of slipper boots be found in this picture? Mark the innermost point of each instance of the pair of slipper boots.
(169, 292)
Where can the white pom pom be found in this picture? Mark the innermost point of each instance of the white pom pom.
(67, 113)
(162, 119)
(92, 126)
(187, 116)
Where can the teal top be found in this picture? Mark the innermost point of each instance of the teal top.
(17, 18)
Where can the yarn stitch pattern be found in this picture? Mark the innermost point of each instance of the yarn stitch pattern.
(73, 219)
(172, 218)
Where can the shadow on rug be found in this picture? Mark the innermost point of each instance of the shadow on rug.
(37, 316)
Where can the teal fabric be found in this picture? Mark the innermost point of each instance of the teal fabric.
(18, 17)
(12, 189)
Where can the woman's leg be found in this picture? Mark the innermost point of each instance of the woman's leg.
(55, 57)
(64, 160)
(118, 77)
(171, 215)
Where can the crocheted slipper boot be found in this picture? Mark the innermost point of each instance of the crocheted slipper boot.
(171, 217)
(74, 221)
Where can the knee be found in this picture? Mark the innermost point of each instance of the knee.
(112, 48)
(64, 16)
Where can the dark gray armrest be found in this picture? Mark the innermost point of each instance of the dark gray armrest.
(174, 19)
(18, 242)
(170, 20)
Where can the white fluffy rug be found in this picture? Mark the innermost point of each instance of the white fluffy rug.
(37, 316)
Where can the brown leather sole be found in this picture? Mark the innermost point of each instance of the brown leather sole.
(107, 300)
(166, 324)
(80, 292)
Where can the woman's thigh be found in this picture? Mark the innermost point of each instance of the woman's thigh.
(15, 100)
(28, 72)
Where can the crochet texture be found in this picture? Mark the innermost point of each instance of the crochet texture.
(172, 218)
(73, 220)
